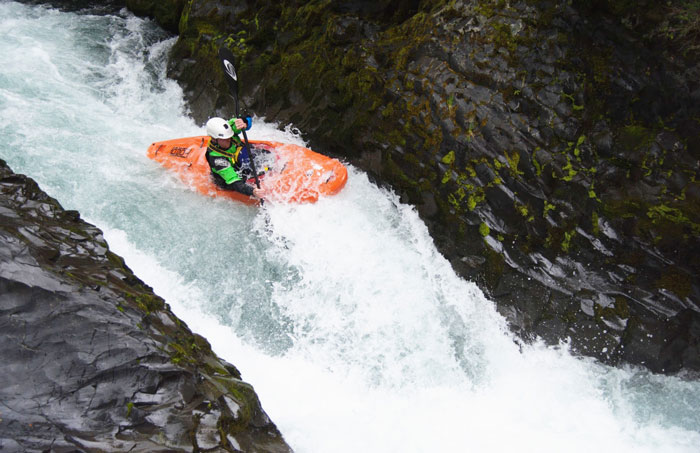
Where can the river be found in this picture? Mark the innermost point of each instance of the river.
(355, 332)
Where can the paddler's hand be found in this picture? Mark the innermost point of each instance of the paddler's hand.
(240, 124)
(258, 193)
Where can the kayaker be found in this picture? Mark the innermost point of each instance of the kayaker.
(227, 155)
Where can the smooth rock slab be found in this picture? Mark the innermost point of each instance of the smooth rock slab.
(92, 360)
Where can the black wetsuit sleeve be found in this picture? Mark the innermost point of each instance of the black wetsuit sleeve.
(240, 186)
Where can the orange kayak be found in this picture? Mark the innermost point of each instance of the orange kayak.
(293, 174)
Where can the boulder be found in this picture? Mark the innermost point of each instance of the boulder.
(92, 359)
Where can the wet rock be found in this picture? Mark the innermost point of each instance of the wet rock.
(167, 12)
(92, 359)
(86, 6)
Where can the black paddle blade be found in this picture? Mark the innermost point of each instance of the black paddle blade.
(229, 69)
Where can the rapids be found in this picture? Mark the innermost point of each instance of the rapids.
(355, 332)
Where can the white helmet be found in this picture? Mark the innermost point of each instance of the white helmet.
(219, 128)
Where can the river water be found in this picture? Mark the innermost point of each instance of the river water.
(354, 331)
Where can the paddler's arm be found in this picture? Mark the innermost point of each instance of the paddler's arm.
(240, 124)
(234, 182)
(240, 186)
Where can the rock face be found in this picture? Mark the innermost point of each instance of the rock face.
(552, 147)
(92, 360)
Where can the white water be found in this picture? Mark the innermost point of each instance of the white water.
(355, 332)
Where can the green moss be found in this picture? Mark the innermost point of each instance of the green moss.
(662, 213)
(484, 229)
(569, 169)
(475, 198)
(566, 243)
(548, 207)
(595, 223)
(571, 99)
(680, 25)
(446, 177)
(179, 354)
(187, 349)
(513, 161)
(635, 137)
(485, 8)
(146, 302)
(538, 167)
(455, 199)
(522, 209)
(185, 16)
(449, 158)
(503, 36)
(115, 260)
(577, 148)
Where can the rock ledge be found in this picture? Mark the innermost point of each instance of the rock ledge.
(92, 359)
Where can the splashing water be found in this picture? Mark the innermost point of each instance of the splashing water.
(354, 330)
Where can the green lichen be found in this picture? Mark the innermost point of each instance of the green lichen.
(449, 158)
(446, 177)
(574, 106)
(475, 198)
(538, 167)
(548, 207)
(591, 192)
(635, 137)
(661, 213)
(146, 302)
(566, 243)
(513, 161)
(569, 169)
(577, 147)
(522, 209)
(484, 229)
(503, 36)
(595, 227)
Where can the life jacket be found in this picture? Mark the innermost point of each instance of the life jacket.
(233, 153)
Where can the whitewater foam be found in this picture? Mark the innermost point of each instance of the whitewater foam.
(354, 330)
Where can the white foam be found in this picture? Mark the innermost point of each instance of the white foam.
(355, 332)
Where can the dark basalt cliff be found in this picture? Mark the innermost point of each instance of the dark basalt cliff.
(552, 147)
(92, 360)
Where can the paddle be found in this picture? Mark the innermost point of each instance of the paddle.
(232, 78)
